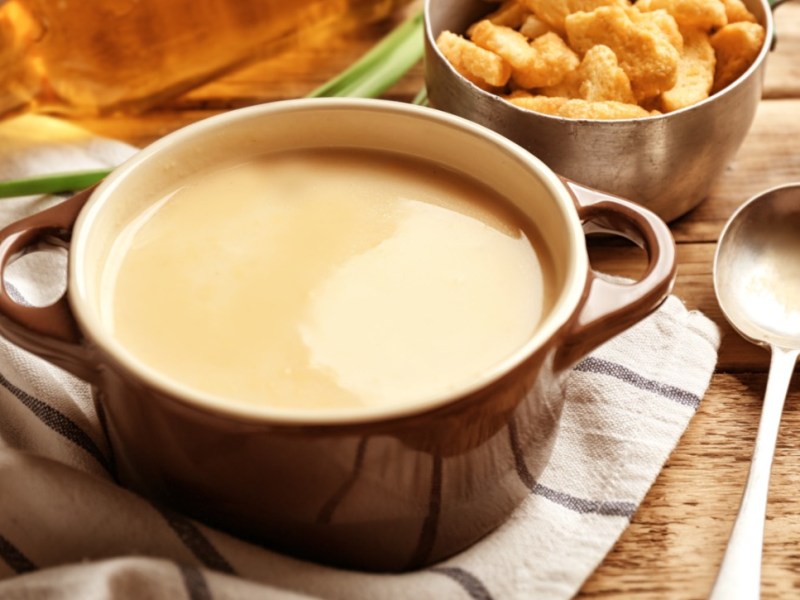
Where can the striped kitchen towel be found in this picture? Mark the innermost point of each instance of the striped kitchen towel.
(68, 531)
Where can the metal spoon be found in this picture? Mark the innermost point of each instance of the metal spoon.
(757, 282)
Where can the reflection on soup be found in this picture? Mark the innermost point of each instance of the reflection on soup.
(327, 279)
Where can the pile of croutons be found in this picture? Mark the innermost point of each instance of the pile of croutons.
(606, 59)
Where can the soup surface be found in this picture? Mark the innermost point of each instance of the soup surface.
(326, 279)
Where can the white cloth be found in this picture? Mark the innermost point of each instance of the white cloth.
(67, 531)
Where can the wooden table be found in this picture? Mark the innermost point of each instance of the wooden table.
(675, 542)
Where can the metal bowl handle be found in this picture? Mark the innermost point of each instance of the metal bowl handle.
(48, 331)
(613, 306)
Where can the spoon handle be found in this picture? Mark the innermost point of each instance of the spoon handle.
(739, 577)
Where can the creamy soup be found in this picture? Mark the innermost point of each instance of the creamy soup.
(327, 279)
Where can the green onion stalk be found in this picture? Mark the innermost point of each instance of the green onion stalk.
(368, 77)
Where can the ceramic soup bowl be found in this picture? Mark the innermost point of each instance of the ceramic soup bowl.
(386, 488)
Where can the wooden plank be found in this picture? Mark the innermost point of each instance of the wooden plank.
(675, 542)
(141, 130)
(782, 78)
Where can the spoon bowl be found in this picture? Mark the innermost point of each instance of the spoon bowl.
(757, 282)
(757, 268)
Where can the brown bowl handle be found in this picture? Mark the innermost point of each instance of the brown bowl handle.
(48, 331)
(611, 307)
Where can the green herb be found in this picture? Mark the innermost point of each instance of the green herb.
(421, 98)
(368, 77)
(51, 184)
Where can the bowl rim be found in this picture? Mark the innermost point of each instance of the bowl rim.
(79, 292)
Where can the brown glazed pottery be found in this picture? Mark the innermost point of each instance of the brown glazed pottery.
(666, 162)
(388, 489)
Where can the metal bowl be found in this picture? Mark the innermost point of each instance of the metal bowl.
(667, 162)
